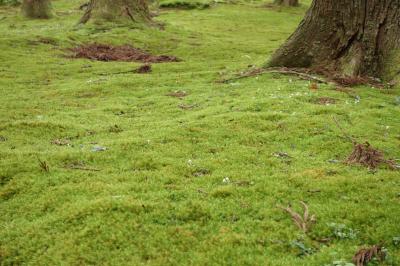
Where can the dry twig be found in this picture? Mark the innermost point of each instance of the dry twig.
(303, 222)
(44, 166)
(283, 71)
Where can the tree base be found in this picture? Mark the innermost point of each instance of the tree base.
(131, 11)
(287, 2)
(39, 9)
(350, 37)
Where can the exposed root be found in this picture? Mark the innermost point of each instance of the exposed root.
(88, 7)
(284, 71)
(84, 6)
(315, 75)
(365, 255)
(348, 81)
(304, 222)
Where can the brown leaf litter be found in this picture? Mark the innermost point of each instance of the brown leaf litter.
(365, 255)
(366, 155)
(125, 53)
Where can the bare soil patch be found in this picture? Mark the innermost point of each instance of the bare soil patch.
(144, 69)
(125, 53)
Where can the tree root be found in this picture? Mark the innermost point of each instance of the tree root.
(88, 12)
(320, 75)
(285, 71)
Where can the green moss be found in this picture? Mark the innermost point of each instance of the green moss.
(185, 4)
(223, 192)
(391, 69)
(180, 186)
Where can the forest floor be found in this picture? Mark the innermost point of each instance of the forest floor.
(100, 165)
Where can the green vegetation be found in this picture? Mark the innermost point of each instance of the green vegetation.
(9, 2)
(102, 168)
(185, 4)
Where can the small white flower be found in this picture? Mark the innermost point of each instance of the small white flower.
(226, 180)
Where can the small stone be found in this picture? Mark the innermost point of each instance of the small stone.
(98, 148)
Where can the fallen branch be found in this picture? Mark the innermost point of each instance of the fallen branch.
(347, 135)
(118, 73)
(82, 168)
(141, 70)
(283, 71)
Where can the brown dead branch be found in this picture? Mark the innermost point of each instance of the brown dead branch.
(44, 166)
(303, 222)
(283, 71)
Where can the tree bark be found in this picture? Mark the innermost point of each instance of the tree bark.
(350, 37)
(287, 2)
(36, 9)
(117, 10)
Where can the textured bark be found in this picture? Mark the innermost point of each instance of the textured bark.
(287, 2)
(117, 10)
(36, 9)
(351, 37)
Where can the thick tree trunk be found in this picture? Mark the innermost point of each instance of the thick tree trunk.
(117, 10)
(287, 2)
(36, 8)
(351, 37)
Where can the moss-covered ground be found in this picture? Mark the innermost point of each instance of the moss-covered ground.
(194, 180)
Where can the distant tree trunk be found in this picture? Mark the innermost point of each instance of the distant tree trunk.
(117, 10)
(287, 2)
(36, 8)
(351, 37)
